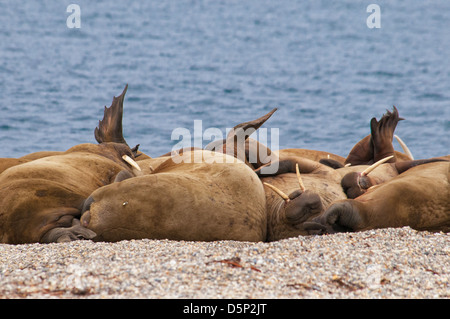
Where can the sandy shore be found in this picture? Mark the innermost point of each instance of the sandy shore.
(386, 263)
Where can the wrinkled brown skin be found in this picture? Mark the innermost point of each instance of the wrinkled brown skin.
(418, 198)
(295, 217)
(184, 201)
(6, 163)
(40, 199)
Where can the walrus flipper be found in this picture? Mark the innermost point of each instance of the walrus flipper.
(66, 234)
(235, 141)
(110, 128)
(382, 134)
(378, 144)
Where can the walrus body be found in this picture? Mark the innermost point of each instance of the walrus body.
(182, 201)
(419, 198)
(47, 193)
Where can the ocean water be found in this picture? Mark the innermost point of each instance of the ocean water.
(224, 62)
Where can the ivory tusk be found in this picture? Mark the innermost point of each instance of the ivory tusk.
(278, 191)
(130, 161)
(300, 182)
(375, 165)
(404, 147)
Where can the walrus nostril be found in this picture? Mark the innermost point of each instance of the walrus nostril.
(85, 219)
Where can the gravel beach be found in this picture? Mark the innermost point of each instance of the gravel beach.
(386, 263)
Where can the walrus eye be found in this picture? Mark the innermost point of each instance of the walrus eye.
(130, 161)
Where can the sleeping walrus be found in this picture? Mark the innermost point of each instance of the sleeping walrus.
(181, 201)
(189, 195)
(40, 200)
(418, 198)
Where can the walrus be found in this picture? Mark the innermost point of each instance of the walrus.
(40, 199)
(185, 195)
(418, 198)
(189, 200)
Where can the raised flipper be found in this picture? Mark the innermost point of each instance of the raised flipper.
(237, 136)
(378, 144)
(110, 128)
(235, 143)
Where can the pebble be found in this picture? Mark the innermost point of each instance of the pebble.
(385, 263)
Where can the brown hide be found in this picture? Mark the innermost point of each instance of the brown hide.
(41, 154)
(418, 198)
(48, 193)
(6, 163)
(185, 201)
(309, 154)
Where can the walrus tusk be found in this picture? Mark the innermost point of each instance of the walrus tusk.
(130, 161)
(375, 165)
(278, 191)
(300, 182)
(404, 147)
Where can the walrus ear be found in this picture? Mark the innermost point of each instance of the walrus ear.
(110, 128)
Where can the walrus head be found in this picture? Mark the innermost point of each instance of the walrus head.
(355, 184)
(299, 208)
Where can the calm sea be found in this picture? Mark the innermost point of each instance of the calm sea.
(224, 62)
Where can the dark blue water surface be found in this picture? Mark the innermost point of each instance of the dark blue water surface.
(224, 62)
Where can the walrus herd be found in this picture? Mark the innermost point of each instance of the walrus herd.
(111, 192)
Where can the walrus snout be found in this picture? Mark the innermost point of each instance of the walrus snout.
(302, 206)
(340, 217)
(354, 184)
